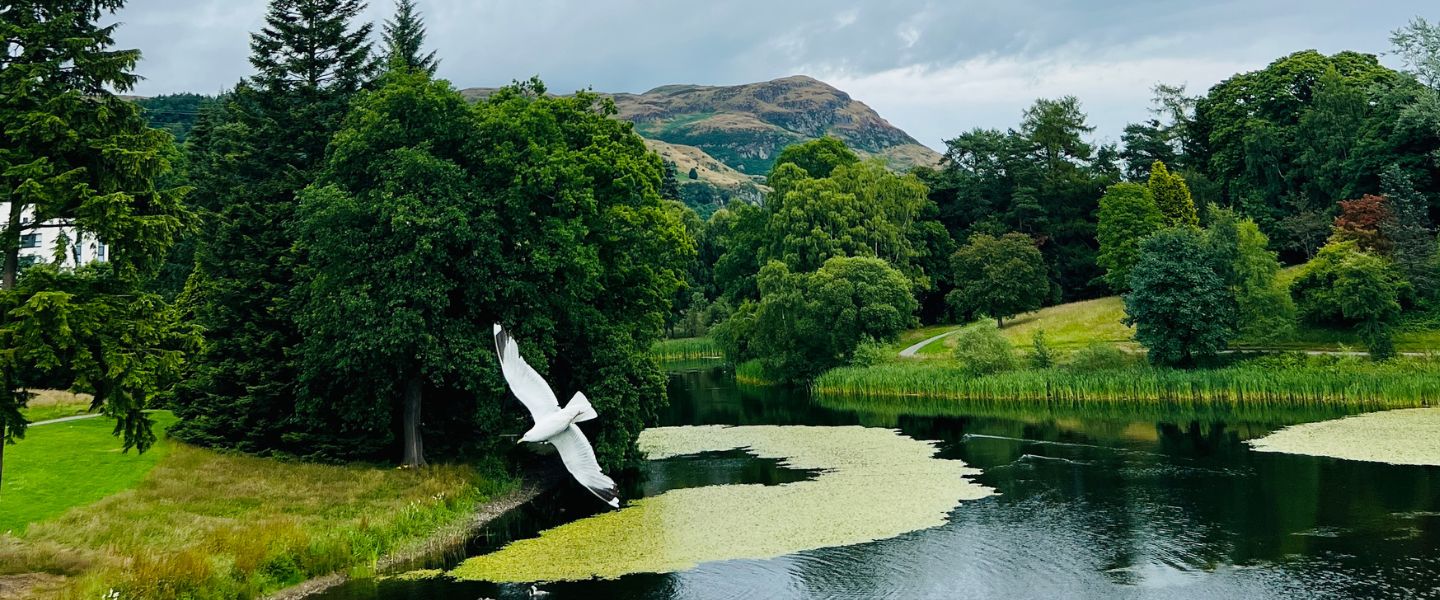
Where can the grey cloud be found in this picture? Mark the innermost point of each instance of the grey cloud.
(634, 45)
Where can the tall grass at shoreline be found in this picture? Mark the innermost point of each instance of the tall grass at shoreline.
(1400, 383)
(686, 349)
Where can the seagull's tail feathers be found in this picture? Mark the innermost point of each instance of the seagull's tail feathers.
(580, 405)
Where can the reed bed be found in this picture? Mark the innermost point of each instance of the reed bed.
(753, 372)
(686, 349)
(1404, 383)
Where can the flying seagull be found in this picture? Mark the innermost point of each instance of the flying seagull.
(552, 423)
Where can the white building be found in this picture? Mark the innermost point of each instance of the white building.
(38, 242)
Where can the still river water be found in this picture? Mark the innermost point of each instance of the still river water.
(1138, 502)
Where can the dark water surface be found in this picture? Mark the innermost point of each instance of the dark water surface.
(1119, 502)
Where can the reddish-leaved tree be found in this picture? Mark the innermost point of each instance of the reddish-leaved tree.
(1361, 220)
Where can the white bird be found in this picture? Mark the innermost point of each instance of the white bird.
(554, 424)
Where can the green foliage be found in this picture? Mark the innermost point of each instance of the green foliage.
(174, 113)
(121, 345)
(998, 277)
(1409, 232)
(1290, 381)
(981, 350)
(75, 152)
(1043, 180)
(431, 186)
(1179, 305)
(261, 144)
(1098, 357)
(1419, 44)
(1042, 356)
(670, 183)
(1343, 266)
(1127, 215)
(817, 158)
(859, 210)
(1241, 255)
(1368, 290)
(871, 352)
(1172, 197)
(806, 323)
(1288, 141)
(396, 179)
(685, 349)
(404, 37)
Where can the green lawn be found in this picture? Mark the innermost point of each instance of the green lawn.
(182, 522)
(60, 466)
(1067, 327)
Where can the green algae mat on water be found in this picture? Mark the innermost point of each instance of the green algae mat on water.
(1401, 437)
(873, 484)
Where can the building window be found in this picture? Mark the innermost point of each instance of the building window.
(30, 240)
(100, 252)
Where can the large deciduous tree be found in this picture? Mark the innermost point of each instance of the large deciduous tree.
(391, 292)
(1240, 254)
(1347, 286)
(806, 323)
(1179, 306)
(73, 154)
(998, 277)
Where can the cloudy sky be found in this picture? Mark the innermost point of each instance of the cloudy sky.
(933, 68)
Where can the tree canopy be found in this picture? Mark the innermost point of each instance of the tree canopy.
(1179, 306)
(998, 277)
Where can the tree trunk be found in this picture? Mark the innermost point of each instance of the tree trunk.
(11, 240)
(12, 245)
(414, 446)
(999, 322)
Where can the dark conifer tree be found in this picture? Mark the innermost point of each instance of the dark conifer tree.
(405, 40)
(310, 60)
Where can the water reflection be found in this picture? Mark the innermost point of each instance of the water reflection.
(1106, 502)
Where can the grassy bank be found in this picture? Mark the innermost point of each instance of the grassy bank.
(1067, 327)
(54, 404)
(64, 465)
(686, 349)
(1079, 324)
(1291, 381)
(206, 525)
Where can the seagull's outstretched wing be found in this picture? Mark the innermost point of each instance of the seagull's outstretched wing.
(525, 383)
(580, 461)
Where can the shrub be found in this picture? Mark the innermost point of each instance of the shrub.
(1099, 357)
(870, 352)
(981, 350)
(1041, 355)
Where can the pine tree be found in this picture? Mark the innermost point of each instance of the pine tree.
(309, 62)
(405, 40)
(1172, 196)
(1408, 229)
(670, 184)
(74, 154)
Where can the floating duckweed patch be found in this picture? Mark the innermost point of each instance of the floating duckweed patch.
(1401, 437)
(417, 575)
(873, 484)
